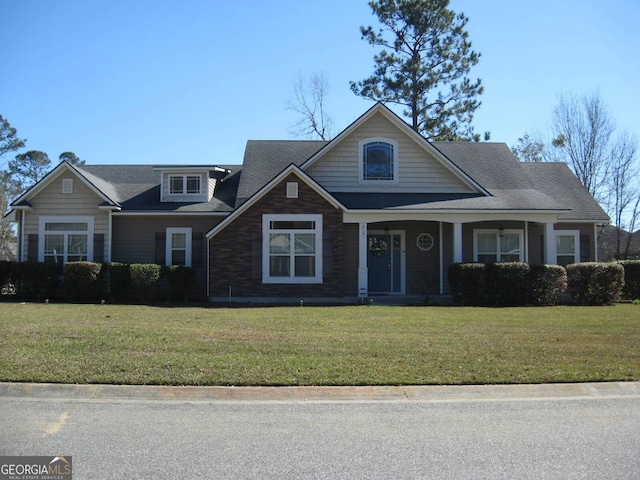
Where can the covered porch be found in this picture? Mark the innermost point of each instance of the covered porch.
(407, 254)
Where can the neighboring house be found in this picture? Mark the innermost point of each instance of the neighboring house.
(615, 243)
(376, 211)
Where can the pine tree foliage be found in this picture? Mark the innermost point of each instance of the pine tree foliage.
(423, 67)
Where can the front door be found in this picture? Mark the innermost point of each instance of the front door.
(385, 262)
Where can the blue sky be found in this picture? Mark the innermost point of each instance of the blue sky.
(190, 81)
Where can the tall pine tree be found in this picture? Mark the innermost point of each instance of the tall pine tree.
(423, 66)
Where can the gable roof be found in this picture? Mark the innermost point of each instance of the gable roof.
(264, 159)
(291, 168)
(511, 185)
(136, 188)
(501, 183)
(380, 108)
(98, 187)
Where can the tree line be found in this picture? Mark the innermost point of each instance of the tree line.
(21, 172)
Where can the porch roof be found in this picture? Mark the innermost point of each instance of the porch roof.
(501, 200)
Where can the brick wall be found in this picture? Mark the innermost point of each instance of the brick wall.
(236, 252)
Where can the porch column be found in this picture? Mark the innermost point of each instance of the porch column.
(363, 271)
(550, 255)
(457, 242)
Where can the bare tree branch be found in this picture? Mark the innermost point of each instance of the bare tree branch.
(309, 101)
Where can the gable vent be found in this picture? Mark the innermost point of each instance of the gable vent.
(292, 189)
(67, 185)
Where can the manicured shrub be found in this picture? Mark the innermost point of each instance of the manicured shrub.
(144, 280)
(546, 284)
(83, 281)
(631, 290)
(119, 275)
(506, 283)
(467, 283)
(181, 281)
(36, 280)
(594, 283)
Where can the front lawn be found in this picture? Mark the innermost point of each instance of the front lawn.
(363, 345)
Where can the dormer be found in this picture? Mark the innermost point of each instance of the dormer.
(189, 183)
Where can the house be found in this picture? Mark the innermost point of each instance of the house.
(376, 211)
(615, 243)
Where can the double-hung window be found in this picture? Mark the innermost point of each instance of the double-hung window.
(292, 249)
(178, 247)
(498, 246)
(567, 247)
(66, 239)
(184, 184)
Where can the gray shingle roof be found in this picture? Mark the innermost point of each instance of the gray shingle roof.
(558, 181)
(492, 165)
(264, 159)
(513, 185)
(137, 188)
(505, 199)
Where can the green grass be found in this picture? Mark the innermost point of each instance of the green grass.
(365, 345)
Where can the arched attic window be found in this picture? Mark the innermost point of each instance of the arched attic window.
(378, 160)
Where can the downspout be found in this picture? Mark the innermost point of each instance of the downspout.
(526, 241)
(110, 236)
(23, 215)
(441, 258)
(208, 262)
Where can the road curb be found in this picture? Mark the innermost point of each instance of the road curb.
(157, 393)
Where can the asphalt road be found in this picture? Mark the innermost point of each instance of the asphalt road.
(456, 437)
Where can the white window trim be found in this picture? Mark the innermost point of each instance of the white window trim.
(396, 162)
(168, 249)
(266, 230)
(65, 219)
(497, 233)
(430, 239)
(576, 236)
(184, 177)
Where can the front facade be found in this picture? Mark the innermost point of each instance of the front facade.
(376, 211)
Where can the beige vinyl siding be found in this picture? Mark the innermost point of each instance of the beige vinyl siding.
(135, 240)
(212, 188)
(204, 187)
(419, 171)
(134, 237)
(82, 202)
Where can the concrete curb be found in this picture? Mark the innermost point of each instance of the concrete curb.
(455, 393)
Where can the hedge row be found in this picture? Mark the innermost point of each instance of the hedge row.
(594, 283)
(506, 284)
(631, 289)
(515, 283)
(30, 280)
(90, 282)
